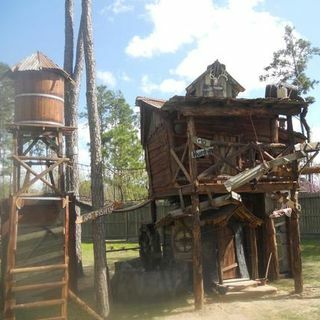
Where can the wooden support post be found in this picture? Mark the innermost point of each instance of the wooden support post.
(220, 255)
(296, 266)
(197, 254)
(296, 261)
(275, 130)
(253, 253)
(73, 260)
(11, 258)
(271, 247)
(196, 229)
(64, 291)
(153, 207)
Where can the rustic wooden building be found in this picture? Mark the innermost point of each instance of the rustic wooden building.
(203, 147)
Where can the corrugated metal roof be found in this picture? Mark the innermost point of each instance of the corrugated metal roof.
(37, 62)
(156, 103)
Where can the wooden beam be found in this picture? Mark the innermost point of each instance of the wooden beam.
(274, 130)
(39, 176)
(84, 306)
(40, 286)
(271, 248)
(196, 229)
(253, 253)
(27, 185)
(45, 303)
(181, 166)
(236, 111)
(182, 159)
(197, 255)
(39, 268)
(296, 260)
(311, 170)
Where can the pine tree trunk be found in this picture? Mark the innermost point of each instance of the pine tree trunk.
(97, 190)
(71, 116)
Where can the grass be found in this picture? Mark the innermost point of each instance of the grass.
(160, 309)
(311, 266)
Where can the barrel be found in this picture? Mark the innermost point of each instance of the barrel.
(39, 98)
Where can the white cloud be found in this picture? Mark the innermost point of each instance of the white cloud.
(84, 139)
(117, 6)
(107, 78)
(171, 86)
(315, 137)
(125, 77)
(238, 34)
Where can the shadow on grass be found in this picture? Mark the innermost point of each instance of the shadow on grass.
(143, 310)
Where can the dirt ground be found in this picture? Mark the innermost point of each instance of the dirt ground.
(281, 305)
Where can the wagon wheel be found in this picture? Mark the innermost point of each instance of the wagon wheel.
(182, 240)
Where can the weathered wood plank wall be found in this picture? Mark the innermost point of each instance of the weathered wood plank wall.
(310, 217)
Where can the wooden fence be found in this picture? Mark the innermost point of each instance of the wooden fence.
(125, 226)
(310, 217)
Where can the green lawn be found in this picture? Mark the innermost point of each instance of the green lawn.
(159, 310)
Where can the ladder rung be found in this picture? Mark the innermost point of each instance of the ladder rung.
(47, 285)
(44, 303)
(39, 268)
(54, 318)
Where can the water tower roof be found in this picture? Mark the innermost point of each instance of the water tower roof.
(37, 62)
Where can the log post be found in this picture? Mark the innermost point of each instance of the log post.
(220, 254)
(274, 130)
(253, 253)
(271, 248)
(153, 207)
(296, 261)
(296, 266)
(196, 229)
(197, 254)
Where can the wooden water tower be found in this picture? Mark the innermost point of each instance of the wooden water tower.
(35, 226)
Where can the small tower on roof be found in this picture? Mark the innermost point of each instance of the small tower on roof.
(215, 82)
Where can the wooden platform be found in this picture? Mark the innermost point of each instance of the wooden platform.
(244, 288)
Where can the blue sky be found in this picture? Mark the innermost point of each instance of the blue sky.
(156, 48)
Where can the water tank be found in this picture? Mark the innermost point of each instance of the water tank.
(39, 98)
(39, 91)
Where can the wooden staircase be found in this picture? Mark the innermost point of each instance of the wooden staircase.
(37, 258)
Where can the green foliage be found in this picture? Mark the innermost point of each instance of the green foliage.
(121, 148)
(6, 116)
(289, 64)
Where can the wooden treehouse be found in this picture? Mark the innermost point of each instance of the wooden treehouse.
(226, 163)
(35, 219)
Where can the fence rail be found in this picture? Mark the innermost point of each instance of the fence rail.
(125, 226)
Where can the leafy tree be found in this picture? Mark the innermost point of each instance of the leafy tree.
(289, 64)
(6, 116)
(121, 149)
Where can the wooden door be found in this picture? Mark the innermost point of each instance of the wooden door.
(229, 263)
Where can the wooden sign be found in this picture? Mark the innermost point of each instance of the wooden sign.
(202, 152)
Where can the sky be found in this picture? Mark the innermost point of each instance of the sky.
(156, 48)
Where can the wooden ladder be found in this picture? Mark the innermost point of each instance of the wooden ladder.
(12, 288)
